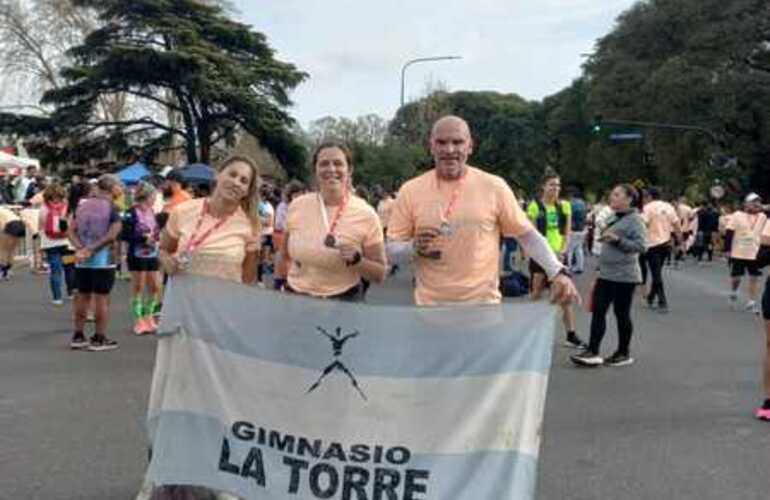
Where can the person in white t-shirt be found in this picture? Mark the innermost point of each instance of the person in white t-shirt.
(742, 242)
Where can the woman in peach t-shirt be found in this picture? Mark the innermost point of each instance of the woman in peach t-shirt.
(217, 236)
(333, 238)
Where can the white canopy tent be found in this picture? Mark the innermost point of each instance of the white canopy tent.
(16, 164)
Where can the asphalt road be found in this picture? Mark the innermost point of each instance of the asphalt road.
(676, 425)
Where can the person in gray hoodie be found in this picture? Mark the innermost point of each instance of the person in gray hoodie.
(623, 238)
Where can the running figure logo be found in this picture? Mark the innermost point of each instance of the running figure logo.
(338, 341)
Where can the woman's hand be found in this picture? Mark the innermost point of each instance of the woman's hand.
(348, 252)
(171, 264)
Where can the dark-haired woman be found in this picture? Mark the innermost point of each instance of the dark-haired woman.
(333, 238)
(623, 239)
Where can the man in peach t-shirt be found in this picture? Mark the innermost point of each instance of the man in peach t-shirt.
(662, 223)
(451, 219)
(742, 241)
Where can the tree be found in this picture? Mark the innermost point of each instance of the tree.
(219, 75)
(694, 62)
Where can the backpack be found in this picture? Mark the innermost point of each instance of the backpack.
(540, 222)
(55, 222)
(515, 284)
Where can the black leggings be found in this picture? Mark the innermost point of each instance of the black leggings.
(620, 296)
(655, 258)
(643, 266)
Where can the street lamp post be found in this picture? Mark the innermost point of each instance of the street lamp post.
(420, 60)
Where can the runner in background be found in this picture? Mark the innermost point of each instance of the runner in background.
(141, 232)
(553, 219)
(93, 231)
(267, 220)
(54, 242)
(742, 241)
(619, 273)
(708, 231)
(291, 191)
(577, 238)
(663, 229)
(12, 233)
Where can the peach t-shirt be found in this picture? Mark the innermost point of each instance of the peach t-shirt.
(221, 254)
(748, 230)
(661, 220)
(468, 270)
(316, 269)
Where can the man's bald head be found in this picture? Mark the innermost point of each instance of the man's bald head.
(450, 145)
(450, 122)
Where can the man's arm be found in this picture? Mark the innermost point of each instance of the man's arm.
(537, 248)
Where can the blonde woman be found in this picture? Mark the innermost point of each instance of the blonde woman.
(217, 236)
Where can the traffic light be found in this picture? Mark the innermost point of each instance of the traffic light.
(596, 127)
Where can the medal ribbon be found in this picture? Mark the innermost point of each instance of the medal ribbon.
(195, 240)
(453, 199)
(330, 228)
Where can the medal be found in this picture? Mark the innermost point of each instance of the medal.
(184, 259)
(446, 229)
(330, 240)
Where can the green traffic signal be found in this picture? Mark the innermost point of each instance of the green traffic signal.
(597, 125)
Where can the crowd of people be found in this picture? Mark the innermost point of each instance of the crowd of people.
(451, 225)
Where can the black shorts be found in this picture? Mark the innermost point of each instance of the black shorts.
(140, 265)
(15, 228)
(97, 281)
(739, 267)
(766, 301)
(534, 268)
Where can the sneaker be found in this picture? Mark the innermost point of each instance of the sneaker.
(663, 308)
(78, 341)
(762, 414)
(152, 324)
(751, 306)
(140, 327)
(101, 343)
(618, 359)
(587, 358)
(574, 342)
(732, 300)
(57, 302)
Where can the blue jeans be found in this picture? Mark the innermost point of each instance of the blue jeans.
(509, 248)
(59, 270)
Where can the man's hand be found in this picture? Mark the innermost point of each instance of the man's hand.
(424, 243)
(348, 252)
(83, 254)
(608, 237)
(563, 291)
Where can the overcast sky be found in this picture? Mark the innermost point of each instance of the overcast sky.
(354, 49)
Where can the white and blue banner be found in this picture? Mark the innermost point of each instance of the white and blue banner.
(272, 396)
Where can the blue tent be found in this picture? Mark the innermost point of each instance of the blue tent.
(198, 173)
(133, 174)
